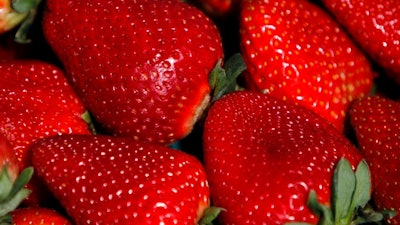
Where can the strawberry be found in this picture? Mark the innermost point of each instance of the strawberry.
(8, 158)
(296, 51)
(263, 156)
(374, 25)
(376, 122)
(219, 8)
(36, 101)
(140, 67)
(37, 215)
(117, 180)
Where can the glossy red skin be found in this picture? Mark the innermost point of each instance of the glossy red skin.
(296, 51)
(220, 8)
(36, 215)
(141, 68)
(36, 102)
(376, 121)
(116, 180)
(263, 156)
(374, 26)
(8, 158)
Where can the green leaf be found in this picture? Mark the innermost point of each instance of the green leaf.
(344, 184)
(24, 6)
(6, 184)
(362, 193)
(223, 80)
(16, 191)
(297, 223)
(234, 66)
(6, 220)
(23, 178)
(322, 211)
(86, 116)
(14, 202)
(209, 215)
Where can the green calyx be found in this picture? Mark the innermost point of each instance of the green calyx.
(209, 215)
(351, 192)
(224, 79)
(12, 193)
(27, 8)
(86, 116)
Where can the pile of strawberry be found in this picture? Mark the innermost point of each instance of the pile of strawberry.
(199, 112)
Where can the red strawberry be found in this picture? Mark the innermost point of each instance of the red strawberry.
(376, 121)
(374, 26)
(8, 158)
(42, 216)
(296, 51)
(263, 156)
(36, 101)
(219, 8)
(141, 67)
(116, 180)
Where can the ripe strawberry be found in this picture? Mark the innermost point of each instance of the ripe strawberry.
(37, 215)
(141, 67)
(219, 8)
(36, 101)
(116, 180)
(8, 158)
(376, 121)
(296, 51)
(374, 26)
(263, 156)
